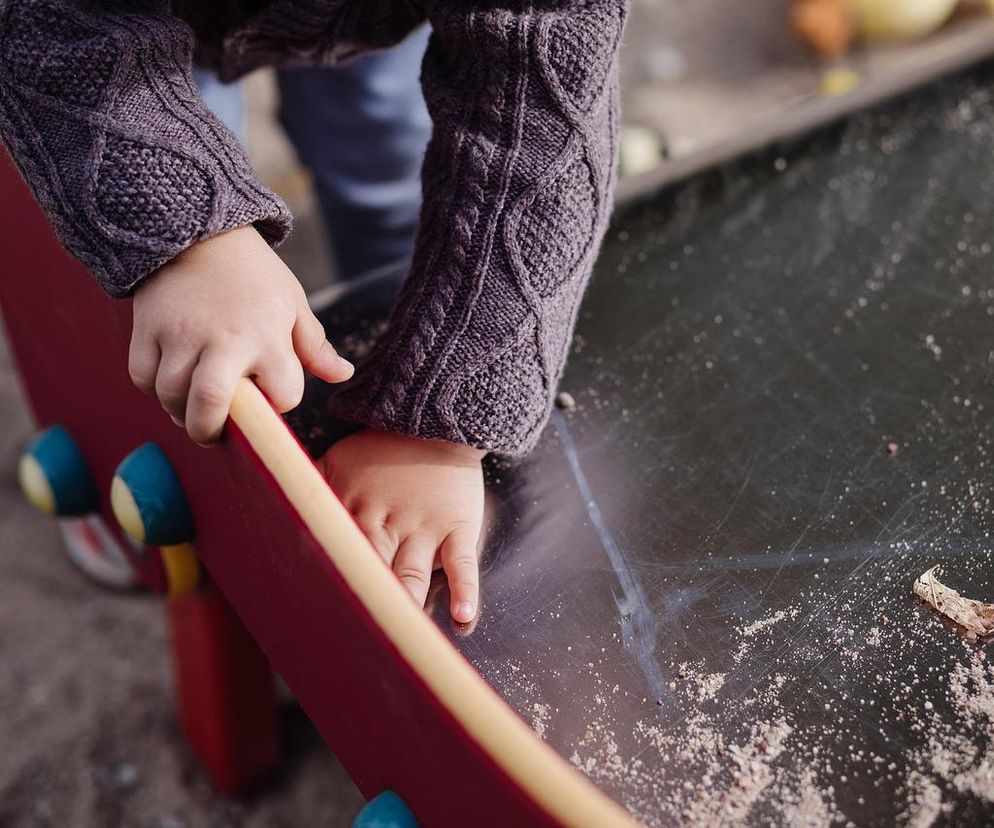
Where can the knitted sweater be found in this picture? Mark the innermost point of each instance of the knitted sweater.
(98, 110)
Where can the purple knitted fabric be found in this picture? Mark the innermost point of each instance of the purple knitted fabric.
(101, 116)
(99, 113)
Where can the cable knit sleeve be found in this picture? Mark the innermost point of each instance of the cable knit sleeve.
(99, 112)
(517, 185)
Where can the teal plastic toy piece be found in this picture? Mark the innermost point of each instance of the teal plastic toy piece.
(386, 810)
(163, 515)
(55, 476)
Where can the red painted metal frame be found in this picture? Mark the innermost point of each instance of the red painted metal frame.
(383, 722)
(225, 692)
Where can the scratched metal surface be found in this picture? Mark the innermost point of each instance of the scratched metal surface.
(698, 587)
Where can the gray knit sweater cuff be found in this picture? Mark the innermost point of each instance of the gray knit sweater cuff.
(99, 112)
(518, 182)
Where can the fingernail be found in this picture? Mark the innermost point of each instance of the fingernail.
(176, 421)
(465, 611)
(348, 366)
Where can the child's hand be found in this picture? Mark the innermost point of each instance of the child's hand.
(225, 308)
(420, 502)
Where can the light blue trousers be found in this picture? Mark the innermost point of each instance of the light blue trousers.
(361, 129)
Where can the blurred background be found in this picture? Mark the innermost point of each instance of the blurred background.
(86, 716)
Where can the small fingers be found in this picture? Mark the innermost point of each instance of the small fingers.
(143, 362)
(282, 379)
(374, 528)
(211, 389)
(172, 381)
(315, 351)
(462, 567)
(413, 565)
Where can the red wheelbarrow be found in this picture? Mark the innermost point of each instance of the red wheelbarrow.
(262, 566)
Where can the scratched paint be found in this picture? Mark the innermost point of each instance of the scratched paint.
(636, 618)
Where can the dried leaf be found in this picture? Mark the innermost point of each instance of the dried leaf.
(976, 616)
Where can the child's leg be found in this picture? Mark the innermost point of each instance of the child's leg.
(362, 129)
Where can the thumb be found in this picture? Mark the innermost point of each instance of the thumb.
(314, 350)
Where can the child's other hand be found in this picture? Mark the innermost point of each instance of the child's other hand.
(420, 502)
(225, 308)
